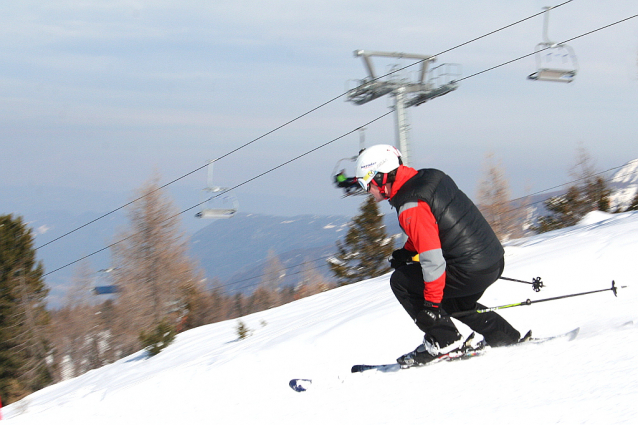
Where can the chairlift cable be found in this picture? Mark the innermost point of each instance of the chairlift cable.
(302, 155)
(285, 163)
(276, 129)
(559, 186)
(500, 29)
(546, 48)
(228, 190)
(513, 209)
(121, 207)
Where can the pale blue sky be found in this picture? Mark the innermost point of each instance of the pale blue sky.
(96, 95)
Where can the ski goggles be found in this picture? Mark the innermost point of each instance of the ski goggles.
(365, 181)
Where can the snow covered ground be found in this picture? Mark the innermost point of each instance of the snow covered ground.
(208, 376)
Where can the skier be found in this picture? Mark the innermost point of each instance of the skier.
(459, 256)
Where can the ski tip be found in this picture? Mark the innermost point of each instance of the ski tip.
(300, 385)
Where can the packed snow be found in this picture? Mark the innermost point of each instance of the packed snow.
(209, 376)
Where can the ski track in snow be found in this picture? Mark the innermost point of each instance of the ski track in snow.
(208, 376)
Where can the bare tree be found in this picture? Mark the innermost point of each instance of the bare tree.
(206, 306)
(152, 270)
(311, 283)
(268, 293)
(494, 201)
(75, 333)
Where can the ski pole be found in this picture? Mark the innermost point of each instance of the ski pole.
(536, 282)
(613, 289)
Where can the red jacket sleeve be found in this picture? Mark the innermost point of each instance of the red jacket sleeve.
(419, 224)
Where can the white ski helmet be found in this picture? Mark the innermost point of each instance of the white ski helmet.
(377, 159)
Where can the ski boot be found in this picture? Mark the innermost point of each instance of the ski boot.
(430, 351)
(526, 338)
(422, 355)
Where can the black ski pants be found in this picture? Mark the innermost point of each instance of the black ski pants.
(462, 292)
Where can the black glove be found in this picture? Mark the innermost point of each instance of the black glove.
(400, 257)
(428, 316)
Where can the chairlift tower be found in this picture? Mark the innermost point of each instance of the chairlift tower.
(429, 84)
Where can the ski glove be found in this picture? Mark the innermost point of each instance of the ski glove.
(400, 257)
(428, 316)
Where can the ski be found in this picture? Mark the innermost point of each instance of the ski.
(469, 353)
(301, 385)
(393, 367)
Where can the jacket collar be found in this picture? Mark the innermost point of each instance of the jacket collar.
(404, 174)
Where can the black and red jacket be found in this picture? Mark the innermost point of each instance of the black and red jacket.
(443, 226)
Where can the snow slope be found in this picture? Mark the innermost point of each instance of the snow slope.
(208, 376)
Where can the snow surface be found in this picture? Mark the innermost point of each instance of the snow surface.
(207, 376)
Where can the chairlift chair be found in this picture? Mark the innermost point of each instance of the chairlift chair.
(106, 290)
(554, 61)
(349, 186)
(217, 206)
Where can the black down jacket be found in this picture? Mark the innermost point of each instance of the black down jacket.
(468, 242)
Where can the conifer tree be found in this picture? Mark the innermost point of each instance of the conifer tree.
(364, 252)
(562, 212)
(22, 313)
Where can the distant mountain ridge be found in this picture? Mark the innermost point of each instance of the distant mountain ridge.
(236, 250)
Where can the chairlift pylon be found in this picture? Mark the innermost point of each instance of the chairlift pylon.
(554, 61)
(217, 206)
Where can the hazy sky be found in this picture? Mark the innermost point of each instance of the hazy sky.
(98, 94)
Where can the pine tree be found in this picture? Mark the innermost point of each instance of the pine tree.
(242, 330)
(562, 212)
(23, 347)
(365, 250)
